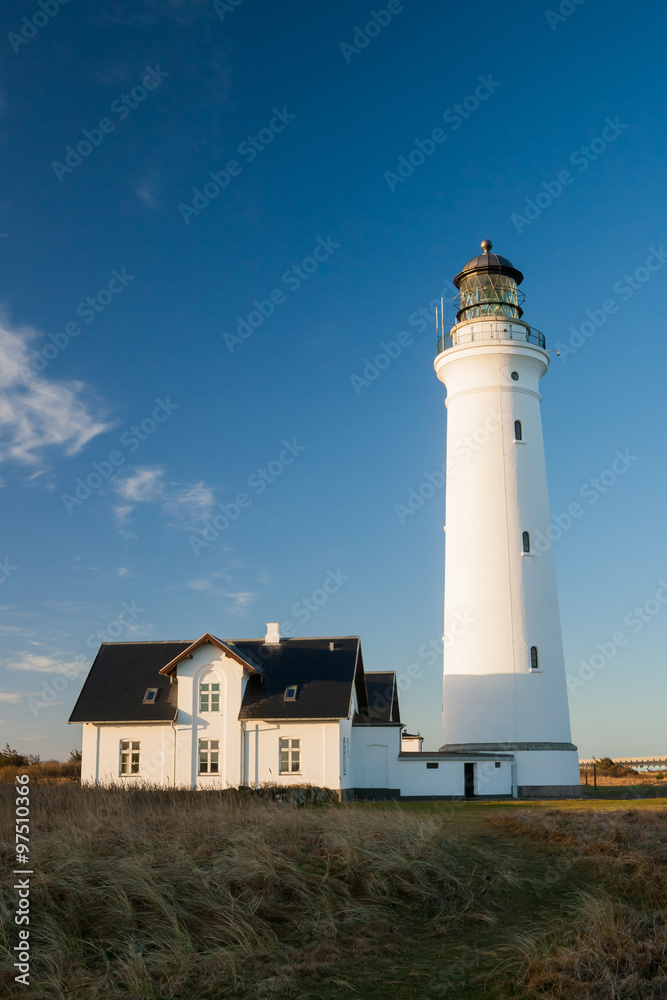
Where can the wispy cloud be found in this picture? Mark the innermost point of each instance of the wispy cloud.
(12, 697)
(184, 504)
(145, 486)
(37, 412)
(145, 192)
(233, 600)
(40, 664)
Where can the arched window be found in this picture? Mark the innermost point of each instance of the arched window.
(209, 694)
(534, 660)
(518, 431)
(526, 541)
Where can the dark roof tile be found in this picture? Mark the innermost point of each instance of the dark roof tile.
(117, 681)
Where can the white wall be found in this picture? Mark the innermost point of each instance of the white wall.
(224, 726)
(492, 780)
(498, 602)
(413, 777)
(346, 766)
(365, 763)
(100, 755)
(547, 767)
(411, 744)
(320, 756)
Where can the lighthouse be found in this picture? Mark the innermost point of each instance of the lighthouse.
(504, 674)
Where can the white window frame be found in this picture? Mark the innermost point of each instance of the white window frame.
(128, 749)
(209, 692)
(205, 749)
(286, 745)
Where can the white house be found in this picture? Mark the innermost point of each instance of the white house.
(217, 714)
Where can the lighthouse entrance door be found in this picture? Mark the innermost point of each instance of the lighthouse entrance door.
(469, 780)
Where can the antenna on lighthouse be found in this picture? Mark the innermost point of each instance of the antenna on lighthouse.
(442, 314)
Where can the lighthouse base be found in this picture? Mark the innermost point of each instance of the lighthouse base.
(541, 770)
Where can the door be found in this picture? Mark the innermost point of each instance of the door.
(469, 780)
(377, 768)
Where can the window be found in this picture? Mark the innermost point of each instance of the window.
(290, 693)
(525, 538)
(151, 696)
(497, 763)
(432, 764)
(290, 755)
(518, 431)
(129, 756)
(345, 753)
(209, 756)
(534, 660)
(515, 376)
(209, 697)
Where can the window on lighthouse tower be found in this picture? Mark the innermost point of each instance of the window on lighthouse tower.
(526, 541)
(534, 660)
(518, 431)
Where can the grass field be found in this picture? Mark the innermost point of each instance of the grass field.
(169, 894)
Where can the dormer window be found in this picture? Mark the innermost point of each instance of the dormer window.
(290, 693)
(151, 696)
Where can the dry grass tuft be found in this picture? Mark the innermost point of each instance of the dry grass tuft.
(46, 770)
(615, 947)
(157, 893)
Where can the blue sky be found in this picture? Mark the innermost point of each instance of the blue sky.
(195, 352)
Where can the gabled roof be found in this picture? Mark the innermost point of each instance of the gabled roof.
(226, 647)
(325, 671)
(324, 677)
(382, 695)
(119, 678)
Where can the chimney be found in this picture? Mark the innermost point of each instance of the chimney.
(272, 633)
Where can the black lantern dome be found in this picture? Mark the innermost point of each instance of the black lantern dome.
(488, 286)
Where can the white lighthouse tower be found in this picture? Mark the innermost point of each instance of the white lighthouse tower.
(504, 674)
